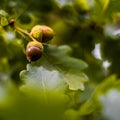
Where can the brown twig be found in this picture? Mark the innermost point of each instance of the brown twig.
(20, 30)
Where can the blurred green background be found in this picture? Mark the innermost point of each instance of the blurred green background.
(91, 31)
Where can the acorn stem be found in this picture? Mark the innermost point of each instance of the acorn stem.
(20, 30)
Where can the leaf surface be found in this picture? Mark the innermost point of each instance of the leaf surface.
(55, 70)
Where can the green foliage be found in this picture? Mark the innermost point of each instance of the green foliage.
(30, 106)
(106, 9)
(4, 18)
(69, 81)
(55, 66)
(93, 107)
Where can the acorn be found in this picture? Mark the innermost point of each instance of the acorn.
(36, 33)
(42, 33)
(34, 50)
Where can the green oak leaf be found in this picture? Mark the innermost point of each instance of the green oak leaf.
(59, 56)
(56, 70)
(4, 21)
(3, 13)
(75, 82)
(99, 100)
(105, 9)
(41, 78)
(4, 18)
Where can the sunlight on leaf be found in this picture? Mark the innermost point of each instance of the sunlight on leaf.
(4, 18)
(3, 14)
(4, 21)
(41, 78)
(105, 8)
(104, 4)
(76, 82)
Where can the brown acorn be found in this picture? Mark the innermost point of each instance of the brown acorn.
(42, 33)
(34, 50)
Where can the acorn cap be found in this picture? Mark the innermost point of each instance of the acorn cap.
(36, 33)
(35, 43)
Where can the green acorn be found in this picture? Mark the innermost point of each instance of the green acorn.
(42, 33)
(36, 33)
(34, 50)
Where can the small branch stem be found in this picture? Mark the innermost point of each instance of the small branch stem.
(20, 30)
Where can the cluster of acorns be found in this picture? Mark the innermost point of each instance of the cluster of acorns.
(40, 34)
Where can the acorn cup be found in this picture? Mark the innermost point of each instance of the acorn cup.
(42, 33)
(34, 51)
